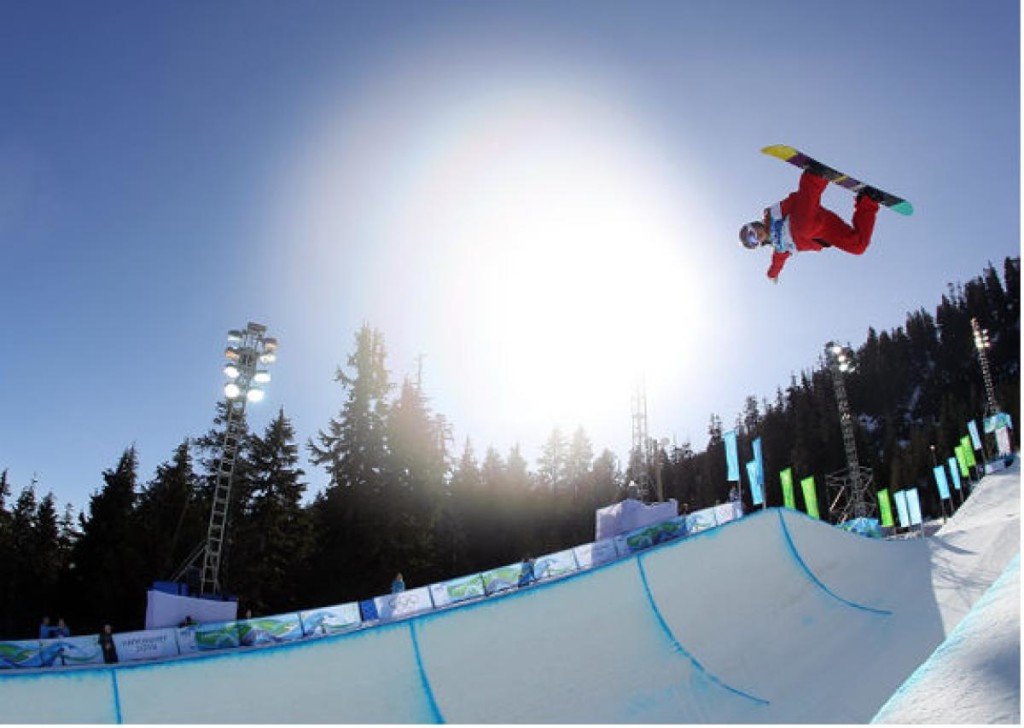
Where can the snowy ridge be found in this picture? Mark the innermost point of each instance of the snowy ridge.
(776, 618)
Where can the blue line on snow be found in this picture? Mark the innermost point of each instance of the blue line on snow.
(117, 697)
(434, 710)
(677, 647)
(817, 582)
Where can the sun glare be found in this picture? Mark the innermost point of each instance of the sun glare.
(528, 238)
(557, 257)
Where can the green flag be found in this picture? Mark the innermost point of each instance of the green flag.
(885, 508)
(810, 496)
(965, 444)
(788, 499)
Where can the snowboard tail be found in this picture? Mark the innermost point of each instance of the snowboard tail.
(799, 159)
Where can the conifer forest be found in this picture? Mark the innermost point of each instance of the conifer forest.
(403, 497)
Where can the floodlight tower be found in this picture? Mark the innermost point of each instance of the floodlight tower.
(641, 441)
(982, 344)
(855, 481)
(246, 352)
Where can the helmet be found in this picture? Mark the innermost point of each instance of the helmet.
(748, 236)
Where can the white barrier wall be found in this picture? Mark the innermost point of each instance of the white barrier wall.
(215, 631)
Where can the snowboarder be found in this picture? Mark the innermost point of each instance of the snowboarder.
(800, 223)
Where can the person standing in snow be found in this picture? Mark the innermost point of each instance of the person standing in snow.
(106, 640)
(799, 223)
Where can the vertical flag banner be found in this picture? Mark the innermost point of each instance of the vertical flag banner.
(972, 427)
(756, 494)
(954, 468)
(759, 459)
(732, 457)
(901, 508)
(941, 482)
(914, 507)
(810, 496)
(965, 441)
(788, 499)
(885, 508)
(961, 458)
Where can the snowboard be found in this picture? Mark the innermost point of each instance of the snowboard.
(801, 160)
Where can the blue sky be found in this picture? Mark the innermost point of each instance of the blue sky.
(540, 198)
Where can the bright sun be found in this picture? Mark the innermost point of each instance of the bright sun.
(556, 259)
(529, 238)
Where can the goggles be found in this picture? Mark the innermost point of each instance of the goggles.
(748, 236)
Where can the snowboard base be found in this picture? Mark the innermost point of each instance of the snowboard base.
(799, 159)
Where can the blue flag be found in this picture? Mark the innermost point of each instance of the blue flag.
(972, 427)
(732, 457)
(914, 506)
(941, 482)
(954, 468)
(756, 494)
(759, 459)
(901, 508)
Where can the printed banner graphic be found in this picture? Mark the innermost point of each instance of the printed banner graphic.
(269, 630)
(330, 620)
(457, 590)
(151, 644)
(404, 604)
(23, 653)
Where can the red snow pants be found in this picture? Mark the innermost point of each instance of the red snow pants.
(811, 225)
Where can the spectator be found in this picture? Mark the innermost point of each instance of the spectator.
(61, 630)
(106, 641)
(45, 629)
(526, 575)
(398, 585)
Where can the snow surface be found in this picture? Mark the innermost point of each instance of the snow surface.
(776, 618)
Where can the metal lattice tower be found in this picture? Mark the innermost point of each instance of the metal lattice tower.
(982, 344)
(854, 482)
(246, 351)
(217, 529)
(641, 441)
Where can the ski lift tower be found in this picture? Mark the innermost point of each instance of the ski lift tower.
(853, 486)
(247, 350)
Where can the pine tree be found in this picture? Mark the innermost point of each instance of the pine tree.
(351, 518)
(553, 461)
(169, 516)
(108, 581)
(273, 534)
(27, 596)
(8, 563)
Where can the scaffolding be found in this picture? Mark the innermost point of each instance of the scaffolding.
(850, 489)
(246, 351)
